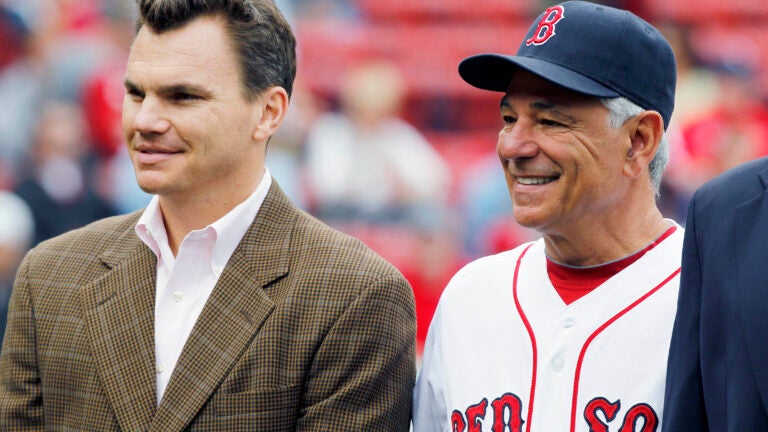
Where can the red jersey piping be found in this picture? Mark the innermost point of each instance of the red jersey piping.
(597, 332)
(531, 336)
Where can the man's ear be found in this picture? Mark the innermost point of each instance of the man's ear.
(646, 130)
(270, 110)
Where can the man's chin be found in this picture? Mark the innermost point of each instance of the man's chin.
(150, 183)
(529, 218)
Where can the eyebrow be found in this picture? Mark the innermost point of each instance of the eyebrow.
(129, 84)
(171, 89)
(553, 108)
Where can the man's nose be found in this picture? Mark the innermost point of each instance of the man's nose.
(517, 141)
(150, 117)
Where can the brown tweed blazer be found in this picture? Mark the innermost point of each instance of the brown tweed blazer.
(307, 329)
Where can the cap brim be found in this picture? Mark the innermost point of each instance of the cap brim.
(494, 72)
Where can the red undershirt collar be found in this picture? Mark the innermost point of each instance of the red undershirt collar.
(573, 283)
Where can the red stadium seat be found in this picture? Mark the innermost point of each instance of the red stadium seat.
(706, 11)
(430, 10)
(428, 54)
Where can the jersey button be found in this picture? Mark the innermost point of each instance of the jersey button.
(569, 323)
(557, 364)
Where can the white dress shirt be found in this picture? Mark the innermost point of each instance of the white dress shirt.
(185, 282)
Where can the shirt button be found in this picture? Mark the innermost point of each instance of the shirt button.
(217, 269)
(160, 368)
(568, 323)
(557, 364)
(177, 296)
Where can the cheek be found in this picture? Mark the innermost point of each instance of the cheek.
(508, 177)
(128, 115)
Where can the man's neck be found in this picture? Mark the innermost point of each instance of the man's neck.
(182, 216)
(605, 242)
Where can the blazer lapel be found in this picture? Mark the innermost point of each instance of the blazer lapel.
(232, 316)
(119, 318)
(752, 282)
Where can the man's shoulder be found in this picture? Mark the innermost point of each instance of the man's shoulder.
(486, 275)
(316, 242)
(740, 182)
(93, 237)
(74, 258)
(500, 260)
(316, 249)
(325, 263)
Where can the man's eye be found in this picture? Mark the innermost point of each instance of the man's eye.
(548, 122)
(135, 94)
(185, 97)
(508, 119)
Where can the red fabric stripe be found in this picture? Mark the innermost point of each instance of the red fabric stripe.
(597, 332)
(573, 283)
(533, 340)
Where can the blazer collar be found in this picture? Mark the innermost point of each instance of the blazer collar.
(236, 309)
(119, 316)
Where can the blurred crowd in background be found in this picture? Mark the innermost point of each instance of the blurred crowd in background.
(383, 140)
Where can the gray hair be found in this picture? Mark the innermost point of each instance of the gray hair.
(622, 109)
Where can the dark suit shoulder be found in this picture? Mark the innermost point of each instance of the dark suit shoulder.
(735, 185)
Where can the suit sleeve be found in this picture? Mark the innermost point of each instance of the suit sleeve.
(363, 374)
(684, 399)
(21, 400)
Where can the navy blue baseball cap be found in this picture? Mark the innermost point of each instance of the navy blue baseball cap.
(591, 49)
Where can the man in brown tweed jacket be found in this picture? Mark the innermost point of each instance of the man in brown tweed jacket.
(221, 306)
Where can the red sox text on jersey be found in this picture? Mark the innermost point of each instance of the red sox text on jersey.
(600, 415)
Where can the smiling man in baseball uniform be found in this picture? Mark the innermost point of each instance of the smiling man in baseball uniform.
(569, 332)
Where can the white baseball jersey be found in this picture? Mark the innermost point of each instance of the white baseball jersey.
(505, 353)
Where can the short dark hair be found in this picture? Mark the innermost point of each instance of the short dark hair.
(258, 30)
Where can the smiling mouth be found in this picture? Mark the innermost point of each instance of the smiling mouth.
(536, 180)
(155, 150)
